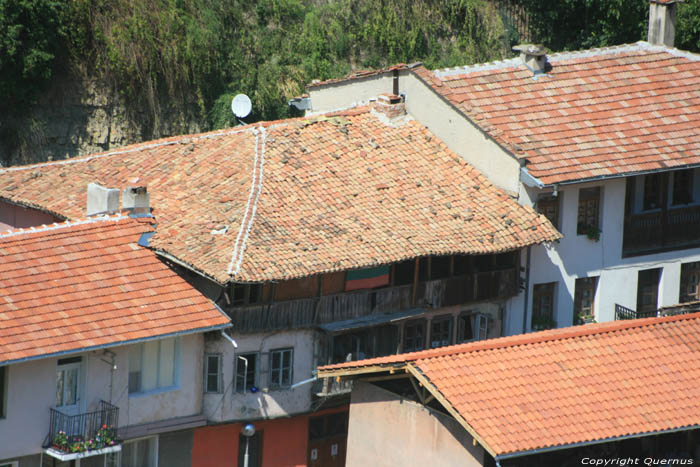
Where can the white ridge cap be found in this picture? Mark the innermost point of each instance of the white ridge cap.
(63, 225)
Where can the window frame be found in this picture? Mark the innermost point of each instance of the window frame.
(578, 295)
(440, 320)
(537, 319)
(475, 322)
(4, 385)
(219, 372)
(689, 183)
(588, 196)
(411, 323)
(256, 371)
(689, 270)
(177, 357)
(548, 200)
(272, 384)
(156, 446)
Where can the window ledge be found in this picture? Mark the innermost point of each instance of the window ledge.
(153, 392)
(62, 456)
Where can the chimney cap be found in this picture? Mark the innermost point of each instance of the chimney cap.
(536, 50)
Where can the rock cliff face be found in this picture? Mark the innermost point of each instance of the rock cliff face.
(78, 116)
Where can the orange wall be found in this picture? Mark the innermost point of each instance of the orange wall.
(284, 443)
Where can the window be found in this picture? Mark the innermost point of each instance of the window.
(246, 372)
(138, 453)
(549, 206)
(3, 391)
(153, 365)
(653, 192)
(543, 306)
(440, 331)
(648, 290)
(682, 187)
(690, 280)
(212, 372)
(414, 336)
(584, 294)
(253, 445)
(68, 381)
(472, 327)
(10, 464)
(281, 368)
(588, 210)
(245, 294)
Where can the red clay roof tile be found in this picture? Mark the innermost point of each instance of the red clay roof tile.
(288, 199)
(75, 285)
(569, 385)
(595, 113)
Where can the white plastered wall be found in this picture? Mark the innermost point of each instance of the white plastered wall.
(266, 403)
(576, 256)
(31, 392)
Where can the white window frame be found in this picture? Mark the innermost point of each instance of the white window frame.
(219, 373)
(176, 368)
(275, 384)
(132, 441)
(480, 327)
(256, 377)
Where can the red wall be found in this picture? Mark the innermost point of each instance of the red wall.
(285, 442)
(13, 216)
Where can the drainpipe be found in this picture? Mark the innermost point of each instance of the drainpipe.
(228, 338)
(527, 289)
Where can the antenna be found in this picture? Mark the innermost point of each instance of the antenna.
(241, 106)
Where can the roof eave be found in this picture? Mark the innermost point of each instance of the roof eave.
(117, 344)
(611, 439)
(614, 176)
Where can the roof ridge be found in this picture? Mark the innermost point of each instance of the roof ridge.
(61, 225)
(566, 55)
(551, 335)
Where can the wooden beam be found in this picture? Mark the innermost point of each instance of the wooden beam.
(373, 379)
(417, 389)
(419, 376)
(415, 281)
(354, 371)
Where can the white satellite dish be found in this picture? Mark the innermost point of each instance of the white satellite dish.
(241, 105)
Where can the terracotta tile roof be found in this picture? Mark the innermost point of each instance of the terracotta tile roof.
(569, 385)
(596, 113)
(85, 284)
(298, 197)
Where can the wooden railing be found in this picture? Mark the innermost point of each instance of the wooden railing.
(662, 230)
(308, 312)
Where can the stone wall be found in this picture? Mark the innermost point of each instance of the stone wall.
(81, 115)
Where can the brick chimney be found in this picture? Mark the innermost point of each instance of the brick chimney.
(101, 200)
(390, 106)
(662, 22)
(534, 57)
(136, 200)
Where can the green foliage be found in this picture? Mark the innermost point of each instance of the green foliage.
(581, 24)
(31, 33)
(688, 22)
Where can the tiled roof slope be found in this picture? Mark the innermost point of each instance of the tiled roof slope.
(86, 284)
(596, 113)
(570, 385)
(298, 197)
(358, 74)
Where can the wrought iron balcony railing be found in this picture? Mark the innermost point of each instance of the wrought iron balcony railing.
(84, 432)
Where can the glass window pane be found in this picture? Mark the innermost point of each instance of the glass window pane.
(59, 388)
(71, 387)
(167, 363)
(149, 370)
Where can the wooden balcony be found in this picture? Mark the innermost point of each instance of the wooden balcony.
(310, 312)
(663, 230)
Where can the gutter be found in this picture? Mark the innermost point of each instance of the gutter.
(611, 177)
(117, 344)
(175, 260)
(501, 457)
(528, 179)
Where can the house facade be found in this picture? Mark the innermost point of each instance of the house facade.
(102, 344)
(601, 141)
(339, 237)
